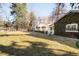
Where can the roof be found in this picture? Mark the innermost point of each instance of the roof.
(67, 14)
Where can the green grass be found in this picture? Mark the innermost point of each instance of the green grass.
(35, 44)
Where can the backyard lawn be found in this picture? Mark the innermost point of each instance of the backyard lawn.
(35, 44)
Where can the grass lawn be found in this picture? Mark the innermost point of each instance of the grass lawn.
(35, 44)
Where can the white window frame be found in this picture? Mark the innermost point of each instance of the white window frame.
(71, 27)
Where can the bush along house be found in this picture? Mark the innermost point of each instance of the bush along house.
(68, 25)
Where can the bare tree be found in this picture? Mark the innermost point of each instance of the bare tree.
(59, 10)
(32, 19)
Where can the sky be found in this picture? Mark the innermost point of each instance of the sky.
(44, 9)
(6, 11)
(40, 9)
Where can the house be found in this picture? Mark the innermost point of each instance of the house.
(68, 25)
(45, 28)
(44, 25)
(41, 27)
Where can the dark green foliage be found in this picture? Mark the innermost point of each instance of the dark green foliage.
(77, 44)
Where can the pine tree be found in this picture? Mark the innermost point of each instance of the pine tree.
(19, 11)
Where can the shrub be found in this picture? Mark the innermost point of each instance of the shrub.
(77, 44)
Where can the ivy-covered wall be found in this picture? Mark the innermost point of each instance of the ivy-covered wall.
(60, 25)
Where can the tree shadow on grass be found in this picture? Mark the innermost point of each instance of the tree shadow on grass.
(40, 35)
(36, 49)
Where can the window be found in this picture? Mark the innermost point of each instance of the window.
(43, 27)
(72, 27)
(37, 27)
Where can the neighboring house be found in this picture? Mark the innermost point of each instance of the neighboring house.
(68, 25)
(41, 27)
(44, 24)
(51, 29)
(46, 28)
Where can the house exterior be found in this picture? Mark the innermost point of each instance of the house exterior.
(44, 25)
(68, 25)
(45, 28)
